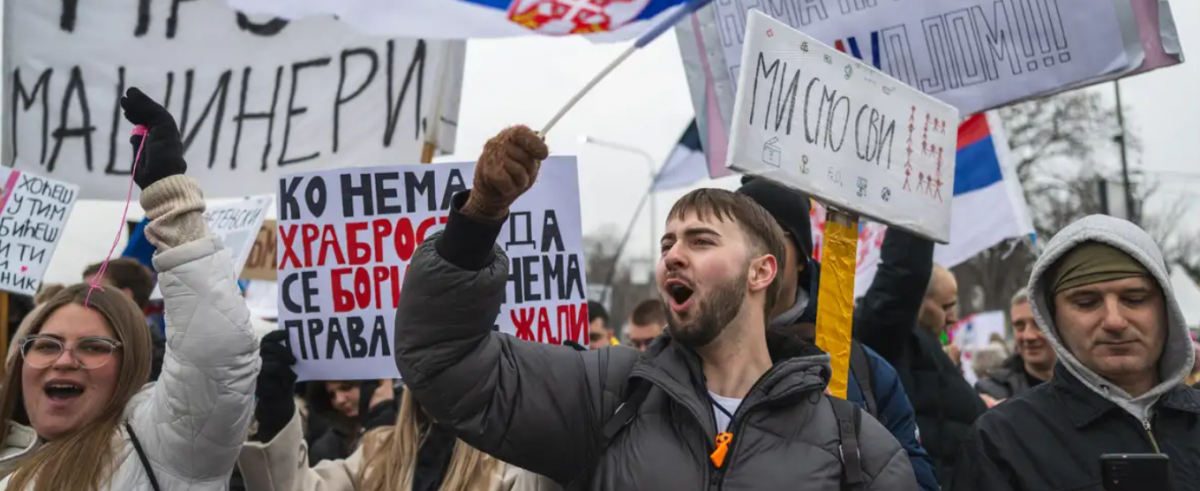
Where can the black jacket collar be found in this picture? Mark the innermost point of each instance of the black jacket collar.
(1084, 406)
(679, 371)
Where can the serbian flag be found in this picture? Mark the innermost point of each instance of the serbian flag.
(988, 205)
(685, 166)
(598, 20)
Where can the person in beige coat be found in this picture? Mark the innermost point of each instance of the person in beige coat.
(414, 455)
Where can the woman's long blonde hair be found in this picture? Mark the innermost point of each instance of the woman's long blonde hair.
(391, 455)
(83, 460)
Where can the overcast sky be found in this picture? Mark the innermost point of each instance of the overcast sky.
(645, 104)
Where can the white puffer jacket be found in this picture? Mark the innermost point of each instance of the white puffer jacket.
(193, 421)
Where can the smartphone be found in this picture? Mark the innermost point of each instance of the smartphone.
(1135, 472)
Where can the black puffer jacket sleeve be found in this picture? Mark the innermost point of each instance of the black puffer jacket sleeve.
(536, 406)
(889, 310)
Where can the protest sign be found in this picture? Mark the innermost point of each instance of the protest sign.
(837, 129)
(975, 333)
(973, 54)
(35, 210)
(260, 265)
(346, 237)
(252, 96)
(237, 224)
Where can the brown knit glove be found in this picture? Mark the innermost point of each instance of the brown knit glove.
(506, 169)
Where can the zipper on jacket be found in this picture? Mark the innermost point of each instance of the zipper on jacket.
(1150, 433)
(738, 421)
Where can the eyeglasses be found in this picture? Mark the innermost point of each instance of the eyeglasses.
(91, 352)
(595, 336)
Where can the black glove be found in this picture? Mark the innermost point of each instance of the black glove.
(276, 383)
(162, 156)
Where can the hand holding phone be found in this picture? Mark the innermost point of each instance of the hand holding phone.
(1135, 472)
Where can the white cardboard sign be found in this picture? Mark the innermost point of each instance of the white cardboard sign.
(35, 211)
(813, 118)
(346, 237)
(237, 225)
(252, 96)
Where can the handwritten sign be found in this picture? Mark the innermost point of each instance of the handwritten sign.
(35, 210)
(261, 263)
(346, 237)
(253, 96)
(847, 134)
(237, 225)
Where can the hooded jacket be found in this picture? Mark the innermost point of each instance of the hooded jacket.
(544, 407)
(1053, 436)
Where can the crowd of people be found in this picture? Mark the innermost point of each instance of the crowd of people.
(718, 383)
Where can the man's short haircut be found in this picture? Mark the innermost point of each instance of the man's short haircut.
(938, 269)
(1022, 296)
(763, 232)
(649, 312)
(596, 310)
(124, 272)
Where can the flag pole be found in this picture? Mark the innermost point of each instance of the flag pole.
(642, 41)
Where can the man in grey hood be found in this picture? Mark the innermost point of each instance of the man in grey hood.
(1102, 293)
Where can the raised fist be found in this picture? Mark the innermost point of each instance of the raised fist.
(275, 386)
(162, 153)
(507, 168)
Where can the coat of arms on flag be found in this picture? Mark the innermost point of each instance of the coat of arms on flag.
(574, 16)
(563, 17)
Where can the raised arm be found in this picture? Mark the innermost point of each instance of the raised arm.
(197, 413)
(281, 464)
(889, 310)
(532, 405)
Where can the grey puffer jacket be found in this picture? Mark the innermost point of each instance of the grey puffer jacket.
(543, 407)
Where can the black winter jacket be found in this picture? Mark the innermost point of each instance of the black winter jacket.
(543, 407)
(886, 321)
(1051, 438)
(1005, 381)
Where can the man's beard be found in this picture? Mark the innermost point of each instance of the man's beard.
(715, 312)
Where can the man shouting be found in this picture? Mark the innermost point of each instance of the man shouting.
(708, 406)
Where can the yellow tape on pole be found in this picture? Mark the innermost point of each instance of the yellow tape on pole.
(835, 311)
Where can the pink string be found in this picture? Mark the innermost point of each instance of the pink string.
(95, 283)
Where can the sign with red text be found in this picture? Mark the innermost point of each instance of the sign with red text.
(845, 133)
(35, 211)
(346, 237)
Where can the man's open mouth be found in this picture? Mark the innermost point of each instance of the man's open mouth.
(680, 293)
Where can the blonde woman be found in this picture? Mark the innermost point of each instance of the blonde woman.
(80, 415)
(416, 454)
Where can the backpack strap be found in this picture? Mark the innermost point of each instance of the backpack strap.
(625, 412)
(634, 395)
(137, 446)
(849, 418)
(861, 367)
